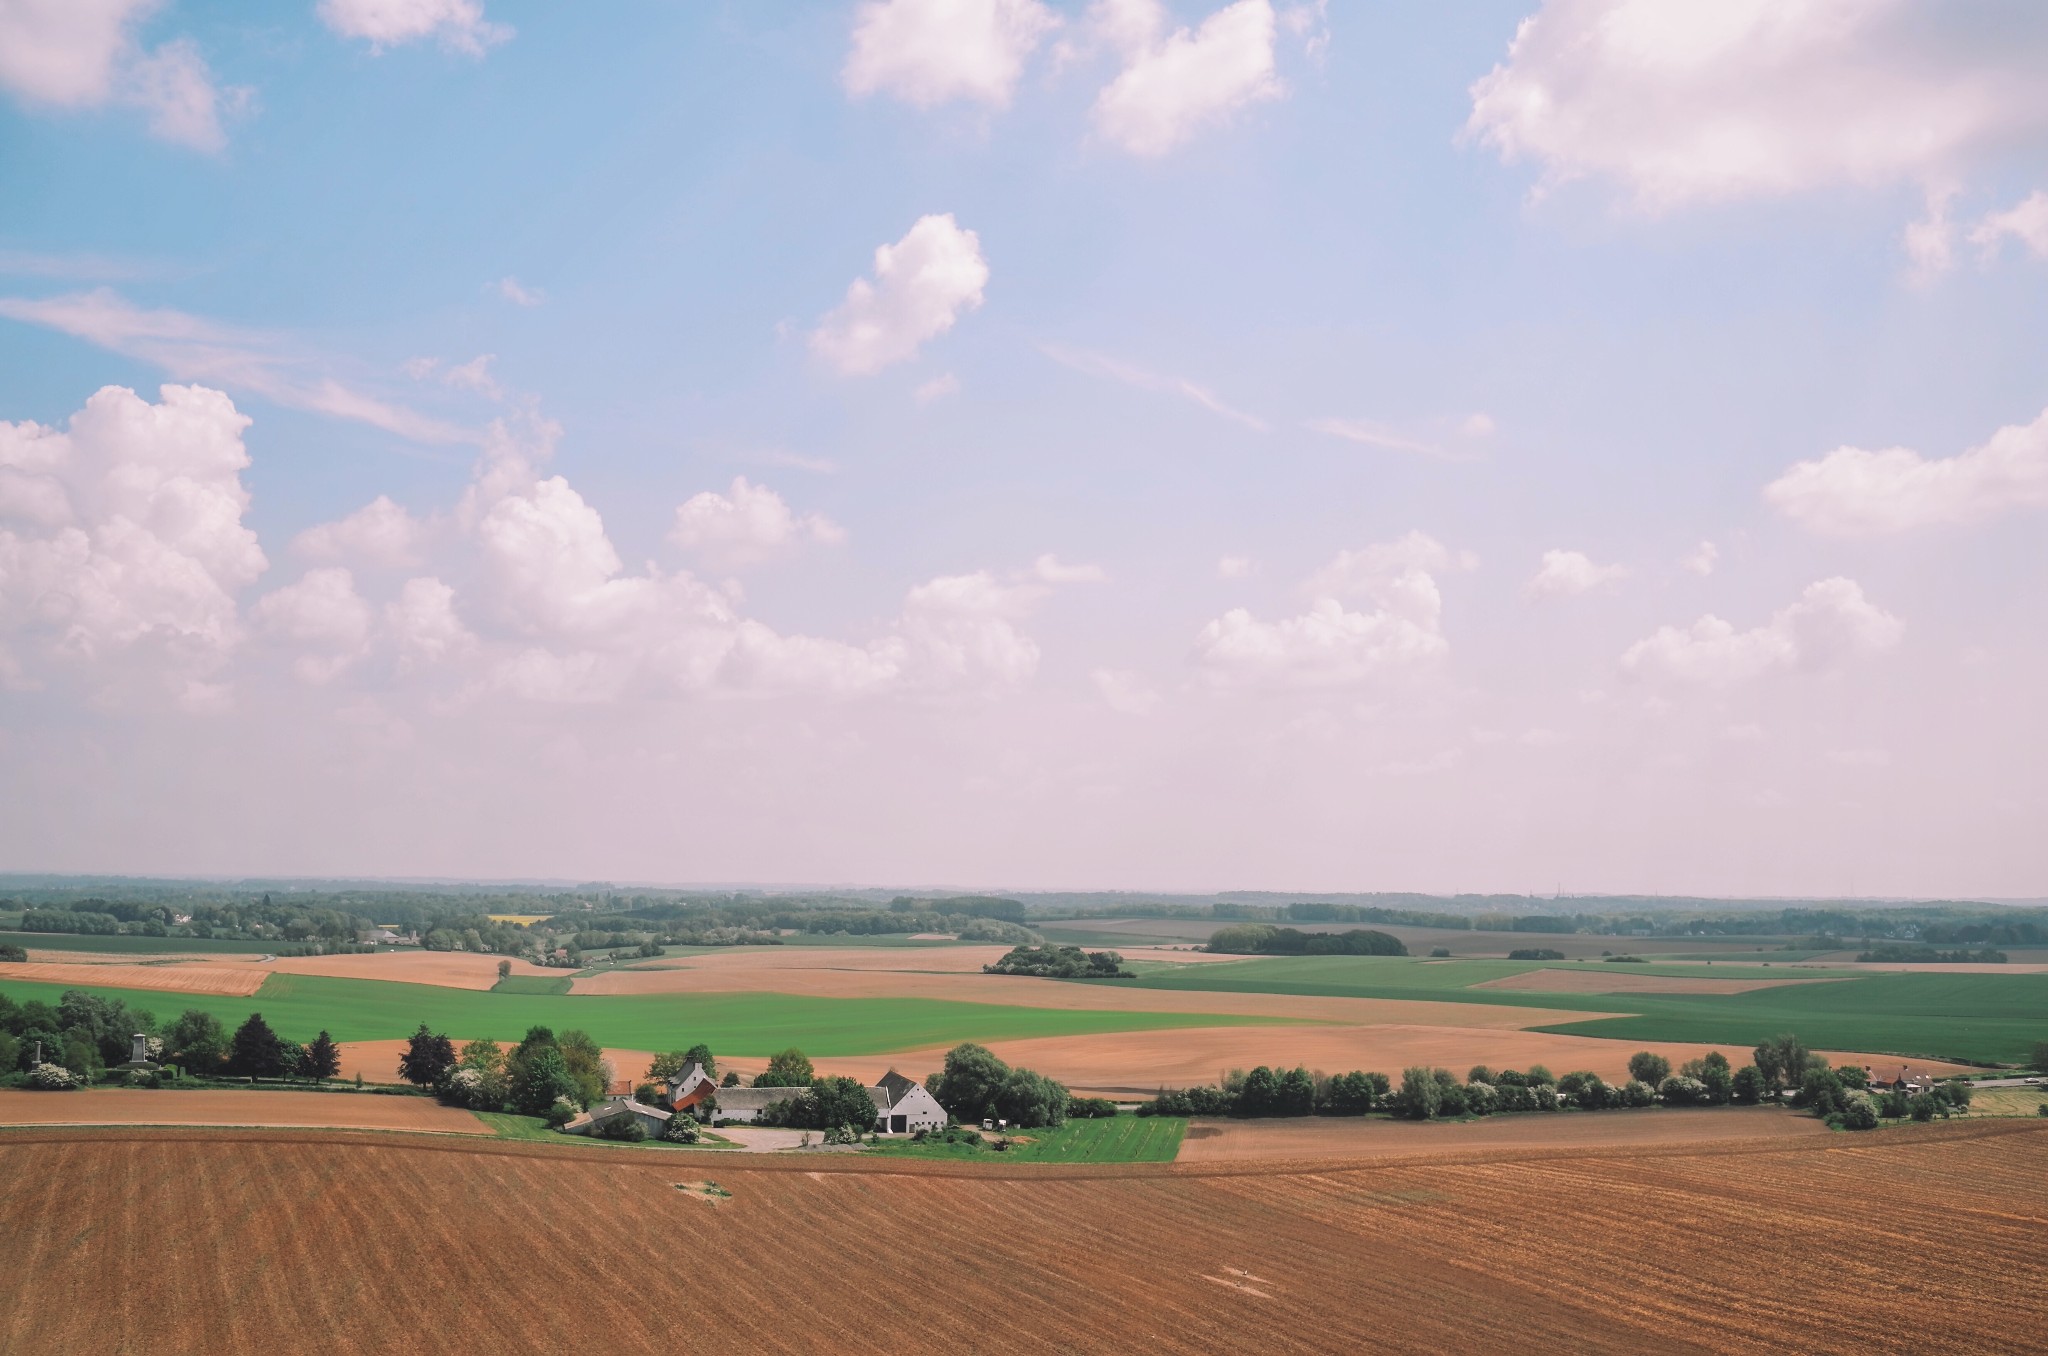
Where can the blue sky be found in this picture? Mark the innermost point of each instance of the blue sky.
(1294, 446)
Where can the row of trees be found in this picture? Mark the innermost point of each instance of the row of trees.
(1264, 939)
(84, 1034)
(540, 1076)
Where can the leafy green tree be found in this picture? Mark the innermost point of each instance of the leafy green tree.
(197, 1042)
(667, 1066)
(1747, 1086)
(323, 1058)
(1922, 1107)
(541, 1080)
(731, 1080)
(626, 1129)
(841, 1102)
(1859, 1114)
(256, 1051)
(1820, 1091)
(968, 1083)
(680, 1130)
(701, 1053)
(10, 1052)
(586, 1063)
(1712, 1073)
(428, 1059)
(1420, 1097)
(1649, 1067)
(1783, 1061)
(786, 1069)
(1296, 1095)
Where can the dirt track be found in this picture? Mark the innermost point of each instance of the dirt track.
(428, 1244)
(166, 1106)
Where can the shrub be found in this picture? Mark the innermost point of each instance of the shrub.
(1546, 1097)
(561, 1113)
(1540, 1077)
(1535, 953)
(51, 1078)
(1440, 953)
(1090, 1108)
(1678, 1090)
(1587, 1090)
(1922, 1107)
(624, 1128)
(1637, 1093)
(10, 952)
(1858, 1114)
(1481, 1099)
(680, 1130)
(1352, 1094)
(1956, 1092)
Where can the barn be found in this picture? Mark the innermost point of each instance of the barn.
(902, 1105)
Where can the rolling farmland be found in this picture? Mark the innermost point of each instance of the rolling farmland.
(248, 1242)
(1988, 1018)
(733, 1023)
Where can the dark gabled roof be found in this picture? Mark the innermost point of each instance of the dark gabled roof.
(682, 1075)
(895, 1085)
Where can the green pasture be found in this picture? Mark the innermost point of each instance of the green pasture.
(1110, 1139)
(1980, 1018)
(137, 946)
(533, 984)
(746, 1024)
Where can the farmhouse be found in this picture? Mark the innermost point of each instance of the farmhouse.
(901, 1104)
(652, 1118)
(1898, 1078)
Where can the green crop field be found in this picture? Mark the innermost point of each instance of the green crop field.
(731, 1023)
(136, 946)
(533, 984)
(1110, 1139)
(1971, 1017)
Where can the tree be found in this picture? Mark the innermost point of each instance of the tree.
(1820, 1091)
(1419, 1097)
(504, 969)
(786, 1069)
(841, 1102)
(968, 1083)
(586, 1063)
(256, 1051)
(428, 1059)
(323, 1058)
(541, 1080)
(666, 1066)
(1783, 1061)
(1648, 1067)
(1747, 1086)
(1711, 1072)
(197, 1042)
(2038, 1058)
(731, 1080)
(701, 1053)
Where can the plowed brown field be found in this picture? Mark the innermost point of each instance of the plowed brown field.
(268, 1241)
(131, 1106)
(1224, 1141)
(229, 979)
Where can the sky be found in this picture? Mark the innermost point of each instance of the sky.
(1522, 445)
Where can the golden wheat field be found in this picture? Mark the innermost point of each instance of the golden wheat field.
(169, 1242)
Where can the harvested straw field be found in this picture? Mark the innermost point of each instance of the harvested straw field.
(170, 1106)
(210, 976)
(1232, 1141)
(1737, 1247)
(1621, 980)
(448, 969)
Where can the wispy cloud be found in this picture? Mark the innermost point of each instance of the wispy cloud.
(1369, 433)
(516, 292)
(190, 348)
(78, 267)
(1102, 365)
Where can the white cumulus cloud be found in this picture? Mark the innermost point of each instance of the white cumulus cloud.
(747, 525)
(1702, 560)
(1333, 644)
(1122, 690)
(1175, 83)
(423, 621)
(1565, 574)
(459, 25)
(121, 535)
(929, 52)
(381, 532)
(1831, 623)
(922, 284)
(1688, 103)
(81, 54)
(1854, 492)
(322, 618)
